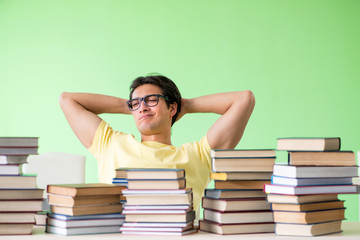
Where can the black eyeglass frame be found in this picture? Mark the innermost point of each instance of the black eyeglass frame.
(128, 103)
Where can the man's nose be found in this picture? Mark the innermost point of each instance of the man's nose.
(143, 107)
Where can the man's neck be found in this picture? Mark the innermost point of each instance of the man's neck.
(161, 138)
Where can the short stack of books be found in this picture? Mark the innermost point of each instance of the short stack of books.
(157, 203)
(84, 209)
(304, 192)
(237, 204)
(20, 200)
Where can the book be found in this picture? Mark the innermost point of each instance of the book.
(150, 173)
(339, 158)
(17, 217)
(41, 218)
(264, 164)
(90, 189)
(10, 169)
(128, 192)
(63, 200)
(17, 182)
(305, 207)
(156, 184)
(13, 159)
(156, 199)
(6, 194)
(245, 153)
(186, 207)
(157, 229)
(234, 193)
(241, 184)
(236, 228)
(83, 230)
(86, 217)
(309, 144)
(225, 176)
(158, 224)
(87, 209)
(308, 230)
(18, 150)
(156, 211)
(283, 170)
(15, 205)
(166, 233)
(240, 204)
(309, 217)
(276, 198)
(16, 228)
(189, 216)
(302, 190)
(85, 222)
(19, 141)
(276, 180)
(238, 216)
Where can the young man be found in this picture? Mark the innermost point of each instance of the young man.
(155, 103)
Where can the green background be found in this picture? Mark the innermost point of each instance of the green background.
(300, 59)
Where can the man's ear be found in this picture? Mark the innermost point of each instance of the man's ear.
(173, 109)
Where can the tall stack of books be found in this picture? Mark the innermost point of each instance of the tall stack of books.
(237, 204)
(84, 208)
(157, 203)
(20, 200)
(304, 192)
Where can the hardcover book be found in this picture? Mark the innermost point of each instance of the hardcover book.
(236, 228)
(308, 144)
(85, 189)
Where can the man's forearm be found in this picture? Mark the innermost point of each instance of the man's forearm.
(97, 103)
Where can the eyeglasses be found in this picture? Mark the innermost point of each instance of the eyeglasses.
(149, 100)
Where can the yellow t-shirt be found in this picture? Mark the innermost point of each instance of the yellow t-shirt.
(114, 149)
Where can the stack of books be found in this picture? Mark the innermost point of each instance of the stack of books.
(84, 208)
(237, 204)
(304, 192)
(157, 203)
(20, 200)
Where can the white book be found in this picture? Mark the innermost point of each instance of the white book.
(84, 222)
(82, 230)
(302, 190)
(277, 180)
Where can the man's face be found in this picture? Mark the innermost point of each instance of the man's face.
(152, 120)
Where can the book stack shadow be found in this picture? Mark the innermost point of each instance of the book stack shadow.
(237, 204)
(304, 192)
(84, 209)
(157, 202)
(20, 200)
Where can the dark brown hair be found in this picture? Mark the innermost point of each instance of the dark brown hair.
(167, 86)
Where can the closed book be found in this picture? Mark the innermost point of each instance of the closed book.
(238, 216)
(241, 184)
(338, 158)
(256, 164)
(18, 150)
(228, 153)
(17, 217)
(63, 200)
(283, 170)
(225, 176)
(309, 144)
(311, 181)
(156, 184)
(19, 141)
(91, 189)
(189, 216)
(150, 173)
(156, 199)
(82, 230)
(127, 211)
(13, 159)
(10, 169)
(35, 193)
(158, 224)
(87, 209)
(304, 207)
(85, 223)
(157, 229)
(86, 217)
(240, 204)
(236, 228)
(159, 192)
(186, 207)
(18, 181)
(309, 217)
(15, 205)
(16, 228)
(308, 230)
(161, 233)
(276, 198)
(234, 193)
(302, 190)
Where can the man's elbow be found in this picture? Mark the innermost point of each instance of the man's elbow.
(64, 98)
(248, 99)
